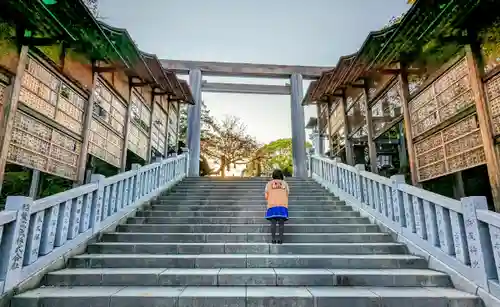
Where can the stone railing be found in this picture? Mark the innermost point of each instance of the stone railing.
(35, 233)
(463, 234)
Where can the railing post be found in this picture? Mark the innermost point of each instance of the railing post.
(12, 261)
(359, 181)
(97, 204)
(185, 151)
(398, 208)
(137, 182)
(478, 240)
(309, 165)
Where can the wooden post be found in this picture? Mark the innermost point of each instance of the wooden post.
(177, 134)
(35, 184)
(405, 97)
(475, 72)
(149, 159)
(348, 144)
(82, 161)
(166, 128)
(10, 108)
(372, 149)
(329, 118)
(127, 128)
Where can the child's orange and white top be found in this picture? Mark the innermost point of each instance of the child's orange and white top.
(276, 193)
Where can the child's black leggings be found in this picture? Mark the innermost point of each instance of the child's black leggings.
(281, 223)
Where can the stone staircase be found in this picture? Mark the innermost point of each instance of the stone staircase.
(206, 244)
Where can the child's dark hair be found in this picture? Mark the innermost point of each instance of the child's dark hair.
(278, 174)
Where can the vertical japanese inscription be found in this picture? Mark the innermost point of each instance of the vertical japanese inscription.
(20, 239)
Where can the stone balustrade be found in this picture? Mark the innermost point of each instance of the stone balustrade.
(35, 233)
(463, 234)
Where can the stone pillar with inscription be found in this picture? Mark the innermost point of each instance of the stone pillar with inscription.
(194, 123)
(298, 127)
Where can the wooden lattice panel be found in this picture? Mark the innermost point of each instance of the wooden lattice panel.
(445, 97)
(138, 141)
(387, 108)
(141, 115)
(453, 149)
(47, 94)
(172, 118)
(337, 118)
(109, 108)
(158, 132)
(493, 92)
(34, 144)
(338, 141)
(105, 144)
(3, 93)
(356, 115)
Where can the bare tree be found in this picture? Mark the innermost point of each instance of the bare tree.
(228, 142)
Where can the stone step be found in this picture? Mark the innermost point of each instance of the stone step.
(242, 228)
(219, 261)
(245, 248)
(248, 207)
(217, 189)
(377, 237)
(259, 213)
(242, 202)
(247, 277)
(249, 197)
(212, 296)
(242, 192)
(245, 220)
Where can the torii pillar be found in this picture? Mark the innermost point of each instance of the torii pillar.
(194, 124)
(298, 127)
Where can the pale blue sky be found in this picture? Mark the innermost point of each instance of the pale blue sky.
(288, 32)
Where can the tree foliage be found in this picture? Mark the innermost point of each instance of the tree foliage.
(228, 143)
(276, 154)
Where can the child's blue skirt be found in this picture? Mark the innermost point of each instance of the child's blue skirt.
(277, 212)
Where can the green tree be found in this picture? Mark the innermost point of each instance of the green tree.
(276, 154)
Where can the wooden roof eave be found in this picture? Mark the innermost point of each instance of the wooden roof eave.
(430, 19)
(188, 95)
(308, 96)
(157, 70)
(343, 67)
(137, 67)
(320, 90)
(80, 22)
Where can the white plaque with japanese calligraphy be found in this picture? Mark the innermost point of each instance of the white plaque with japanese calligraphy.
(35, 144)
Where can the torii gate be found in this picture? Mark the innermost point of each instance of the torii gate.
(295, 74)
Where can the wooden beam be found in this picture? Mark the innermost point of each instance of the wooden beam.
(397, 71)
(473, 54)
(226, 69)
(105, 69)
(405, 100)
(10, 109)
(240, 88)
(139, 84)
